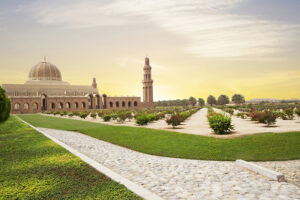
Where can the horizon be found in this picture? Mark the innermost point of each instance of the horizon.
(196, 48)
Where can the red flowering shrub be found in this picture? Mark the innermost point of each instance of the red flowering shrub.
(175, 120)
(266, 117)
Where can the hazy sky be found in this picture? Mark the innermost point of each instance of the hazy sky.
(196, 47)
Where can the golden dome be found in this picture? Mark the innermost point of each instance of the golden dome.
(44, 71)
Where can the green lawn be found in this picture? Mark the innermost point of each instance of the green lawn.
(260, 147)
(34, 167)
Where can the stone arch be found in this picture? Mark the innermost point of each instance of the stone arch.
(83, 105)
(117, 104)
(60, 105)
(135, 104)
(26, 106)
(68, 105)
(44, 101)
(76, 105)
(17, 106)
(123, 104)
(129, 103)
(35, 106)
(111, 104)
(52, 106)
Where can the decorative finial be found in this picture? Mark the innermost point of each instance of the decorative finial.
(45, 58)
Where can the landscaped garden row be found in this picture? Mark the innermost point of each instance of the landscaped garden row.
(34, 167)
(266, 114)
(259, 147)
(173, 116)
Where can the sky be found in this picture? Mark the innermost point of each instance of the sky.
(196, 47)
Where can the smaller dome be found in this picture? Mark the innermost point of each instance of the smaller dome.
(44, 71)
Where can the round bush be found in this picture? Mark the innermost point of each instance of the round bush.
(142, 120)
(106, 117)
(221, 124)
(175, 120)
(83, 115)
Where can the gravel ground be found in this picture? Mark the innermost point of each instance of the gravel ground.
(173, 178)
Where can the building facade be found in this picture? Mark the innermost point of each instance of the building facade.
(45, 91)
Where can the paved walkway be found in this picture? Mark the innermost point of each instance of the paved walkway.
(172, 178)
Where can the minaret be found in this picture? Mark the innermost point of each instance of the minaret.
(94, 85)
(147, 83)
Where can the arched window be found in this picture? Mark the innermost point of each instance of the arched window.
(83, 105)
(60, 105)
(117, 104)
(35, 106)
(111, 104)
(123, 104)
(135, 104)
(52, 105)
(76, 105)
(26, 106)
(68, 105)
(17, 106)
(129, 103)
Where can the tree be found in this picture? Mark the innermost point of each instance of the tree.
(223, 99)
(211, 100)
(238, 99)
(192, 101)
(201, 102)
(4, 105)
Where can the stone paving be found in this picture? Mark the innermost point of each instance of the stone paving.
(173, 178)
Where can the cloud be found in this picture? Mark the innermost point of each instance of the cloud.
(207, 25)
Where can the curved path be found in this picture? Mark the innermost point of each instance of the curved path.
(172, 178)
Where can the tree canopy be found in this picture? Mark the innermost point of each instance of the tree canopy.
(238, 99)
(4, 105)
(223, 99)
(211, 100)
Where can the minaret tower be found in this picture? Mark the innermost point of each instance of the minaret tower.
(94, 85)
(147, 84)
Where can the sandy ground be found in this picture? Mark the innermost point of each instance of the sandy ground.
(197, 124)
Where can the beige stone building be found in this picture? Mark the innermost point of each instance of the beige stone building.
(46, 91)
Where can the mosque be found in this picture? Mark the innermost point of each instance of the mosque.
(46, 91)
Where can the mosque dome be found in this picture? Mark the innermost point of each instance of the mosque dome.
(44, 71)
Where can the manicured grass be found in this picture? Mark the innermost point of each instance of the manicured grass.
(34, 167)
(260, 147)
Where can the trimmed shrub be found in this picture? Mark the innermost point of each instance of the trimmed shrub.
(114, 116)
(221, 124)
(55, 113)
(106, 117)
(121, 116)
(83, 115)
(283, 115)
(174, 120)
(269, 117)
(290, 113)
(62, 113)
(142, 120)
(93, 115)
(70, 114)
